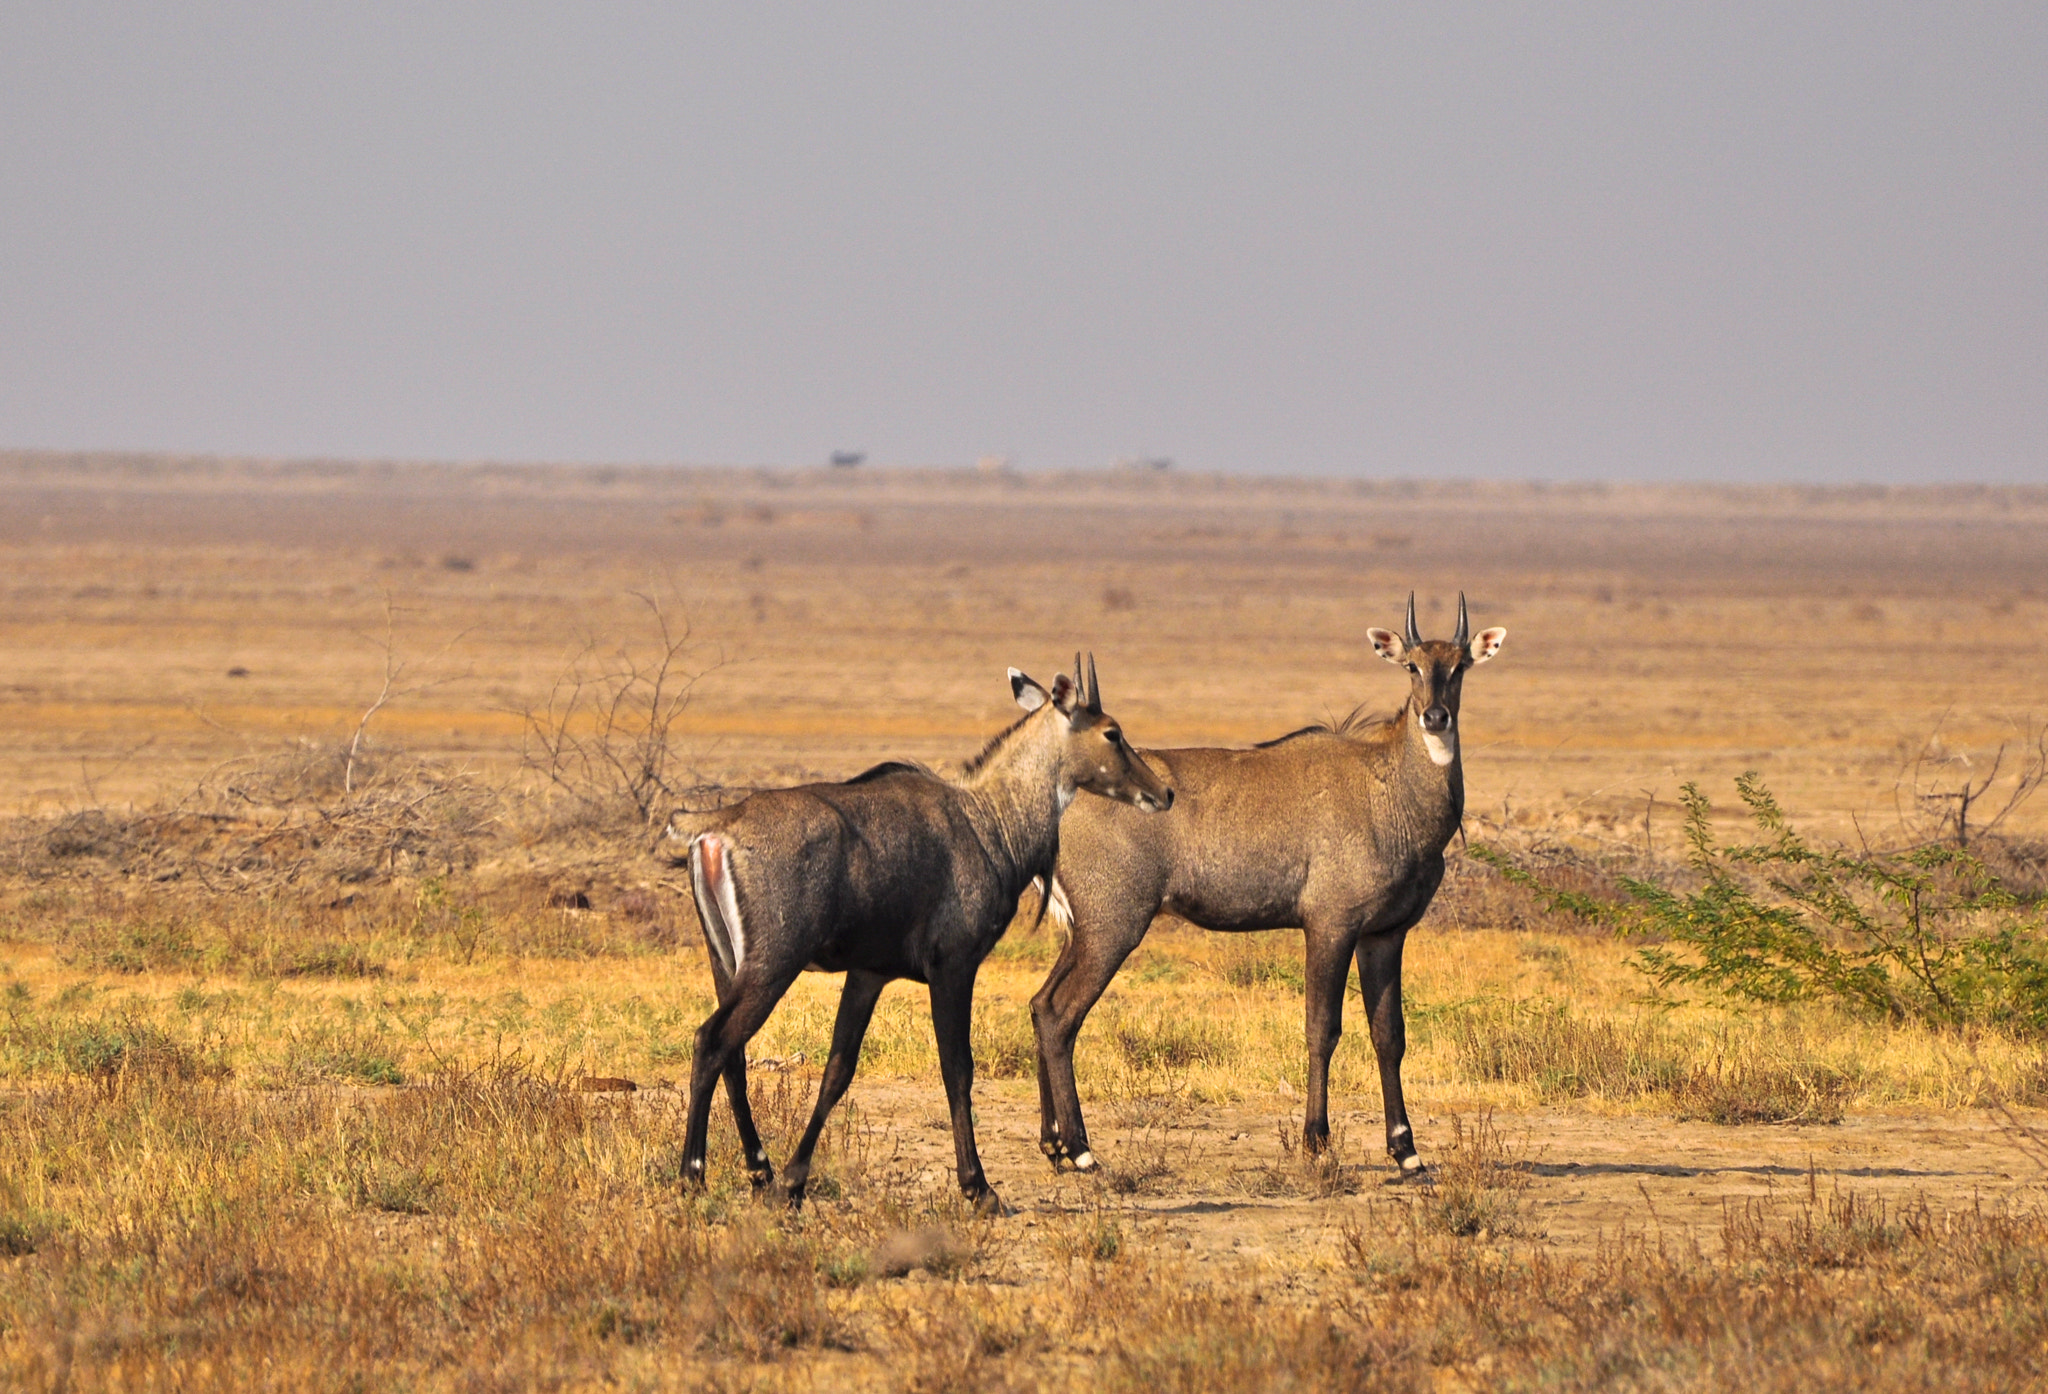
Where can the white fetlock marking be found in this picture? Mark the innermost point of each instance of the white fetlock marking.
(1085, 1162)
(1411, 1162)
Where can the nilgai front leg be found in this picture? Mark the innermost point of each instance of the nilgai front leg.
(856, 1009)
(952, 993)
(1071, 990)
(1327, 968)
(1379, 976)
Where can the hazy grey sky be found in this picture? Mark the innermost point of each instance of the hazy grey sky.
(1569, 241)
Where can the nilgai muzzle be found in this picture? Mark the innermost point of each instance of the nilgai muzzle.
(1338, 831)
(897, 873)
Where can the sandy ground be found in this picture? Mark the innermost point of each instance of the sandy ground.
(1229, 1194)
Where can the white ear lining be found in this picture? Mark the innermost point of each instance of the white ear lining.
(1487, 644)
(1388, 644)
(1030, 696)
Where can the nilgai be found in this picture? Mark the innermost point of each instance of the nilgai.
(1340, 831)
(897, 873)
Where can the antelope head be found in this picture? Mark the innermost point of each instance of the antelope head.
(1094, 754)
(1436, 674)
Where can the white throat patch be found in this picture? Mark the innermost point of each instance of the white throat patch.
(1442, 749)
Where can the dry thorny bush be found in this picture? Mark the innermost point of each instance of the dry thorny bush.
(600, 761)
(271, 823)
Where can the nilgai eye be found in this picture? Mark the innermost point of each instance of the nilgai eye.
(1413, 669)
(1115, 737)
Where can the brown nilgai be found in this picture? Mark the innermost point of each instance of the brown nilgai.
(898, 873)
(1339, 831)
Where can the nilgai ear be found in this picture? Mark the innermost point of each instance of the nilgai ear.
(1487, 644)
(1389, 644)
(1065, 695)
(1030, 696)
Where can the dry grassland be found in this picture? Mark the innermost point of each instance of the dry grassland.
(312, 1088)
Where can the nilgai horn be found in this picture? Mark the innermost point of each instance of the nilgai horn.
(898, 873)
(1338, 831)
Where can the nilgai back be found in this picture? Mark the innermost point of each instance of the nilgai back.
(1339, 831)
(898, 873)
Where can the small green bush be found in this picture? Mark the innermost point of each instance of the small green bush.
(1926, 933)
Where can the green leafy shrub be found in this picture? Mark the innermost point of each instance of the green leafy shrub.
(1926, 933)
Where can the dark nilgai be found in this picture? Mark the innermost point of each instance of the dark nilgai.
(898, 873)
(1340, 832)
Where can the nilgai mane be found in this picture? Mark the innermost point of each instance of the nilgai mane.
(897, 873)
(1340, 832)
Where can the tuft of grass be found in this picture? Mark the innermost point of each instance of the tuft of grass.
(1559, 1056)
(1268, 960)
(1004, 1047)
(1763, 1089)
(22, 1234)
(399, 1190)
(1562, 1056)
(1476, 1184)
(1167, 1043)
(1088, 1236)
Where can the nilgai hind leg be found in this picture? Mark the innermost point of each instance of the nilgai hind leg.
(856, 1009)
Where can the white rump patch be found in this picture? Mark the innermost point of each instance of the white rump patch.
(714, 890)
(1442, 749)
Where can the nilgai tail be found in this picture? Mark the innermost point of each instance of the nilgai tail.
(1340, 832)
(897, 873)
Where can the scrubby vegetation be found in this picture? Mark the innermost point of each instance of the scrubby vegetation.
(1924, 933)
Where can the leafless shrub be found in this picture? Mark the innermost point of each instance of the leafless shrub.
(1952, 796)
(605, 736)
(403, 677)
